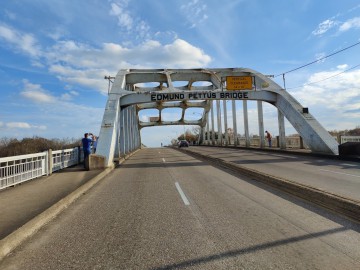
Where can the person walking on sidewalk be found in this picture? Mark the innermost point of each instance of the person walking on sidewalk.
(268, 137)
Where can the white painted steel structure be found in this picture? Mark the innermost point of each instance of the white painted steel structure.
(17, 169)
(135, 90)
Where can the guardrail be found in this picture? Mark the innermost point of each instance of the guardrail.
(18, 169)
(65, 158)
(291, 141)
(344, 139)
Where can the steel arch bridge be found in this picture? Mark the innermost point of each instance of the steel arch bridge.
(134, 90)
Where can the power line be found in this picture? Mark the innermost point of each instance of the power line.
(318, 60)
(326, 78)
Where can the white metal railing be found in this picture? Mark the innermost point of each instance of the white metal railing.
(14, 170)
(344, 139)
(18, 169)
(64, 158)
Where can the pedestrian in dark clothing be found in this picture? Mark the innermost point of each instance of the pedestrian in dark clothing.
(86, 143)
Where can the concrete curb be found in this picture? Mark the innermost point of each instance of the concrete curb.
(341, 205)
(288, 151)
(13, 240)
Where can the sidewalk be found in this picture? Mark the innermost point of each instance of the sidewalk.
(25, 201)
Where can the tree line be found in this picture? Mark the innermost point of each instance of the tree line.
(14, 147)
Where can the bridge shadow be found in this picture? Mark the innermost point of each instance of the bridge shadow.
(247, 250)
(72, 169)
(151, 157)
(235, 158)
(162, 165)
(184, 162)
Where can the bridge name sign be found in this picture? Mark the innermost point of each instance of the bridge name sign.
(199, 95)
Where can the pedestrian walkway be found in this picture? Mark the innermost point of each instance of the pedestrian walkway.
(23, 202)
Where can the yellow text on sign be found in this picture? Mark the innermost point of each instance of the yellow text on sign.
(238, 82)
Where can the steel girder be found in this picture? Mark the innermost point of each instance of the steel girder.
(193, 88)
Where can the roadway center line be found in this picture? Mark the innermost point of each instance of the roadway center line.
(340, 173)
(182, 194)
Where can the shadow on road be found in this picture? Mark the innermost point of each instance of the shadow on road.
(251, 249)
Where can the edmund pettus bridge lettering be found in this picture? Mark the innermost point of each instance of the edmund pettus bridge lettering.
(195, 96)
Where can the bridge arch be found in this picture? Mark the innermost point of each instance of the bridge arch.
(140, 89)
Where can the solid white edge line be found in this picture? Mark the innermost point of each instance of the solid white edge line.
(182, 194)
(340, 173)
(350, 165)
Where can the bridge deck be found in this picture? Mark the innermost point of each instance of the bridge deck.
(22, 203)
(163, 209)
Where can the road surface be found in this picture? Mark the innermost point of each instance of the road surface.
(331, 175)
(165, 210)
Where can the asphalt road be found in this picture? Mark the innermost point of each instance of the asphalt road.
(165, 210)
(335, 176)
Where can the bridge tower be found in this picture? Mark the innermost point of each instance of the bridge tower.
(130, 93)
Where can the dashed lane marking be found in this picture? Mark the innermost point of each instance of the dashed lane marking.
(182, 194)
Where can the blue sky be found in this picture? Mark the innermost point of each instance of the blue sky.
(54, 55)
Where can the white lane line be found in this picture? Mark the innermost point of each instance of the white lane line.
(164, 160)
(350, 165)
(340, 173)
(182, 194)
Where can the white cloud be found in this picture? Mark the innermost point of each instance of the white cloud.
(352, 23)
(54, 112)
(340, 94)
(82, 64)
(129, 23)
(41, 127)
(319, 56)
(21, 41)
(124, 18)
(66, 97)
(185, 55)
(195, 12)
(10, 15)
(78, 63)
(344, 66)
(18, 125)
(144, 118)
(328, 24)
(74, 93)
(23, 125)
(324, 27)
(34, 92)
